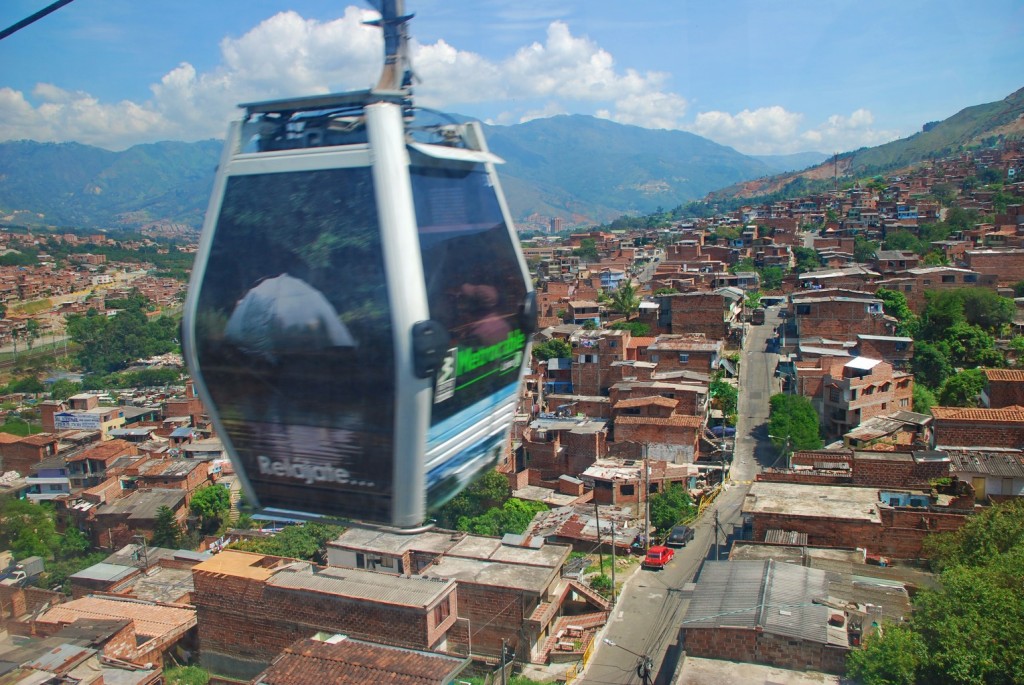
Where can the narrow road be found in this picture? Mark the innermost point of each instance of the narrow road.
(651, 606)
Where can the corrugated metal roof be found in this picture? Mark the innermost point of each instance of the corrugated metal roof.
(105, 572)
(1001, 464)
(412, 591)
(729, 593)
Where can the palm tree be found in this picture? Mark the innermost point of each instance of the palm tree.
(625, 300)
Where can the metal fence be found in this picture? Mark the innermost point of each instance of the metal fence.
(576, 669)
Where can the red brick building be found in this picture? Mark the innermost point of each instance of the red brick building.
(969, 427)
(893, 523)
(1005, 388)
(251, 606)
(863, 389)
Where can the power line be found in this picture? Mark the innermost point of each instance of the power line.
(34, 18)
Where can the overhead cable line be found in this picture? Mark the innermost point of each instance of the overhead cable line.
(53, 7)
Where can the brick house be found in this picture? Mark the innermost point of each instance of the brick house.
(839, 317)
(1006, 266)
(863, 389)
(898, 469)
(889, 522)
(88, 467)
(684, 352)
(22, 454)
(152, 630)
(893, 261)
(699, 312)
(1004, 388)
(343, 661)
(675, 434)
(594, 354)
(688, 398)
(894, 349)
(994, 473)
(286, 600)
(810, 634)
(506, 590)
(969, 427)
(914, 283)
(114, 523)
(557, 446)
(622, 482)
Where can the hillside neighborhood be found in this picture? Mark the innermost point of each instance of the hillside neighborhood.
(814, 387)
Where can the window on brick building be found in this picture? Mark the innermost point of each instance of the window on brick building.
(803, 309)
(386, 562)
(442, 610)
(683, 358)
(655, 358)
(626, 490)
(834, 395)
(949, 279)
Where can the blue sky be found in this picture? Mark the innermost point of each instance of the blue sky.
(764, 77)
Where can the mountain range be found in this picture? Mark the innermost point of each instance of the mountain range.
(573, 166)
(972, 126)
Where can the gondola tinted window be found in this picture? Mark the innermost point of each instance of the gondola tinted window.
(475, 288)
(294, 340)
(474, 283)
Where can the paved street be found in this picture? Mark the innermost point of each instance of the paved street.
(647, 616)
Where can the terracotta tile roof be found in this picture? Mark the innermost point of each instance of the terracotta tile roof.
(105, 451)
(8, 438)
(1012, 375)
(151, 620)
(645, 401)
(1013, 414)
(680, 421)
(641, 341)
(351, 662)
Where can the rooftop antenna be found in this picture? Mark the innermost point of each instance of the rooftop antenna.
(396, 77)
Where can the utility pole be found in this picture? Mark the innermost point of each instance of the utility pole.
(716, 533)
(613, 559)
(647, 503)
(644, 665)
(502, 661)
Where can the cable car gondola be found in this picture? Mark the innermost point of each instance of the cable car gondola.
(359, 309)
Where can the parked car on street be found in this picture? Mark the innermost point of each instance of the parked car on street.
(679, 536)
(658, 556)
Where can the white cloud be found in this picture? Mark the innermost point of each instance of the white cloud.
(288, 55)
(775, 130)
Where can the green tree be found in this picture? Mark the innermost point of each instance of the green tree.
(771, 277)
(636, 328)
(166, 531)
(806, 259)
(63, 389)
(72, 544)
(210, 503)
(931, 365)
(792, 419)
(725, 397)
(555, 348)
(924, 399)
(969, 344)
(513, 516)
(904, 240)
(32, 332)
(488, 491)
(864, 249)
(962, 389)
(587, 251)
(602, 584)
(26, 528)
(186, 675)
(893, 656)
(307, 541)
(670, 506)
(625, 300)
(894, 303)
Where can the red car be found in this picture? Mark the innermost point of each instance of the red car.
(658, 556)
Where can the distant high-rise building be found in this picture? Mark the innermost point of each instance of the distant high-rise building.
(557, 224)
